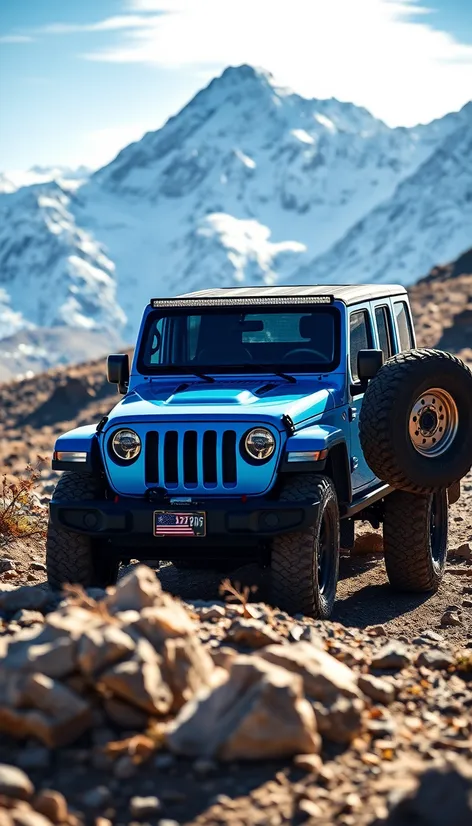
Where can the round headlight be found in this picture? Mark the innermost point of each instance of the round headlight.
(126, 444)
(259, 443)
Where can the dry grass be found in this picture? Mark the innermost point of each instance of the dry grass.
(21, 516)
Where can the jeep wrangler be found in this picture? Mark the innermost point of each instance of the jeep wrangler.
(259, 424)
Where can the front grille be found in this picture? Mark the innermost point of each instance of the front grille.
(191, 459)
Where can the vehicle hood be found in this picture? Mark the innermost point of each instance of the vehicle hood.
(258, 399)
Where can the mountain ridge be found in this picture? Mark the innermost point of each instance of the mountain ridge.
(249, 183)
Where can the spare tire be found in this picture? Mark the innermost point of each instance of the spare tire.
(415, 424)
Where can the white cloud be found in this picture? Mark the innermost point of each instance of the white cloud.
(378, 53)
(125, 21)
(16, 38)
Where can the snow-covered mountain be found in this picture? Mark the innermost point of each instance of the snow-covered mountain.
(249, 183)
(52, 272)
(428, 218)
(69, 178)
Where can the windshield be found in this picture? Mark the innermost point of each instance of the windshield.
(230, 341)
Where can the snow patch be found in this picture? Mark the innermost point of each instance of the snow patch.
(302, 135)
(326, 122)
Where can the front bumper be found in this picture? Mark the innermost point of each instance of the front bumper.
(130, 521)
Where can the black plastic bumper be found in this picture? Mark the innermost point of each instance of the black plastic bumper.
(131, 520)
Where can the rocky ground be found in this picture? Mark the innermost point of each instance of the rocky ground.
(136, 707)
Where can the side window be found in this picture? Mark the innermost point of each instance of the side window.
(360, 338)
(193, 330)
(384, 327)
(402, 317)
(155, 342)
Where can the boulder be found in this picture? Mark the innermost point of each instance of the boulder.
(15, 783)
(324, 677)
(187, 667)
(34, 705)
(161, 622)
(42, 649)
(30, 597)
(380, 691)
(341, 720)
(139, 680)
(101, 646)
(137, 590)
(392, 656)
(258, 712)
(252, 633)
(52, 805)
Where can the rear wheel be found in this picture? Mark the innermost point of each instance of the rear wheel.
(73, 557)
(305, 564)
(415, 540)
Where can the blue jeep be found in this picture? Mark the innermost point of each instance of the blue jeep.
(259, 424)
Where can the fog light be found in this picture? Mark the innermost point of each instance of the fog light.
(90, 520)
(69, 456)
(306, 455)
(271, 519)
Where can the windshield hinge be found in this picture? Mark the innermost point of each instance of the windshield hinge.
(288, 422)
(101, 424)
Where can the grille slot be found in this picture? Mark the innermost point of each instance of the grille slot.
(171, 467)
(152, 458)
(209, 458)
(229, 457)
(190, 458)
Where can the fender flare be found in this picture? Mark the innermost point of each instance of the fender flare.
(335, 464)
(79, 440)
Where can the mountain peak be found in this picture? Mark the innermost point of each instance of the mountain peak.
(243, 74)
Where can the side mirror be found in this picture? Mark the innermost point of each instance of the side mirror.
(118, 371)
(369, 362)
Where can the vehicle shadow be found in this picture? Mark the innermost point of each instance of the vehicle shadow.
(374, 603)
(205, 585)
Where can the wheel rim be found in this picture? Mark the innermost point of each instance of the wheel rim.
(325, 553)
(433, 422)
(438, 527)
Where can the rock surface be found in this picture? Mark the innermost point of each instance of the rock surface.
(130, 706)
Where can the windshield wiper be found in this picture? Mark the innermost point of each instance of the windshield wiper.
(185, 385)
(203, 376)
(290, 379)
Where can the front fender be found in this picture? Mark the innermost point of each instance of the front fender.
(318, 437)
(79, 441)
(330, 442)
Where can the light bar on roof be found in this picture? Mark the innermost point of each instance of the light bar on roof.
(162, 303)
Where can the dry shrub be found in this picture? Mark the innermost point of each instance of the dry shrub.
(21, 515)
(236, 593)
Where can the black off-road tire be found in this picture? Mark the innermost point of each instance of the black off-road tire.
(387, 413)
(73, 557)
(295, 577)
(415, 534)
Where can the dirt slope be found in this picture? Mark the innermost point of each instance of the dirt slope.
(442, 305)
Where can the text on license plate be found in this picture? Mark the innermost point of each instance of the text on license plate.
(168, 523)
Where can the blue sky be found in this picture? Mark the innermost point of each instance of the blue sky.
(79, 79)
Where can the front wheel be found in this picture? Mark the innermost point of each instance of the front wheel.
(415, 540)
(74, 557)
(305, 564)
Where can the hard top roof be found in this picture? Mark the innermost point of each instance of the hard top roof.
(348, 293)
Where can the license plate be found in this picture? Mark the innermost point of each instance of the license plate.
(170, 523)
